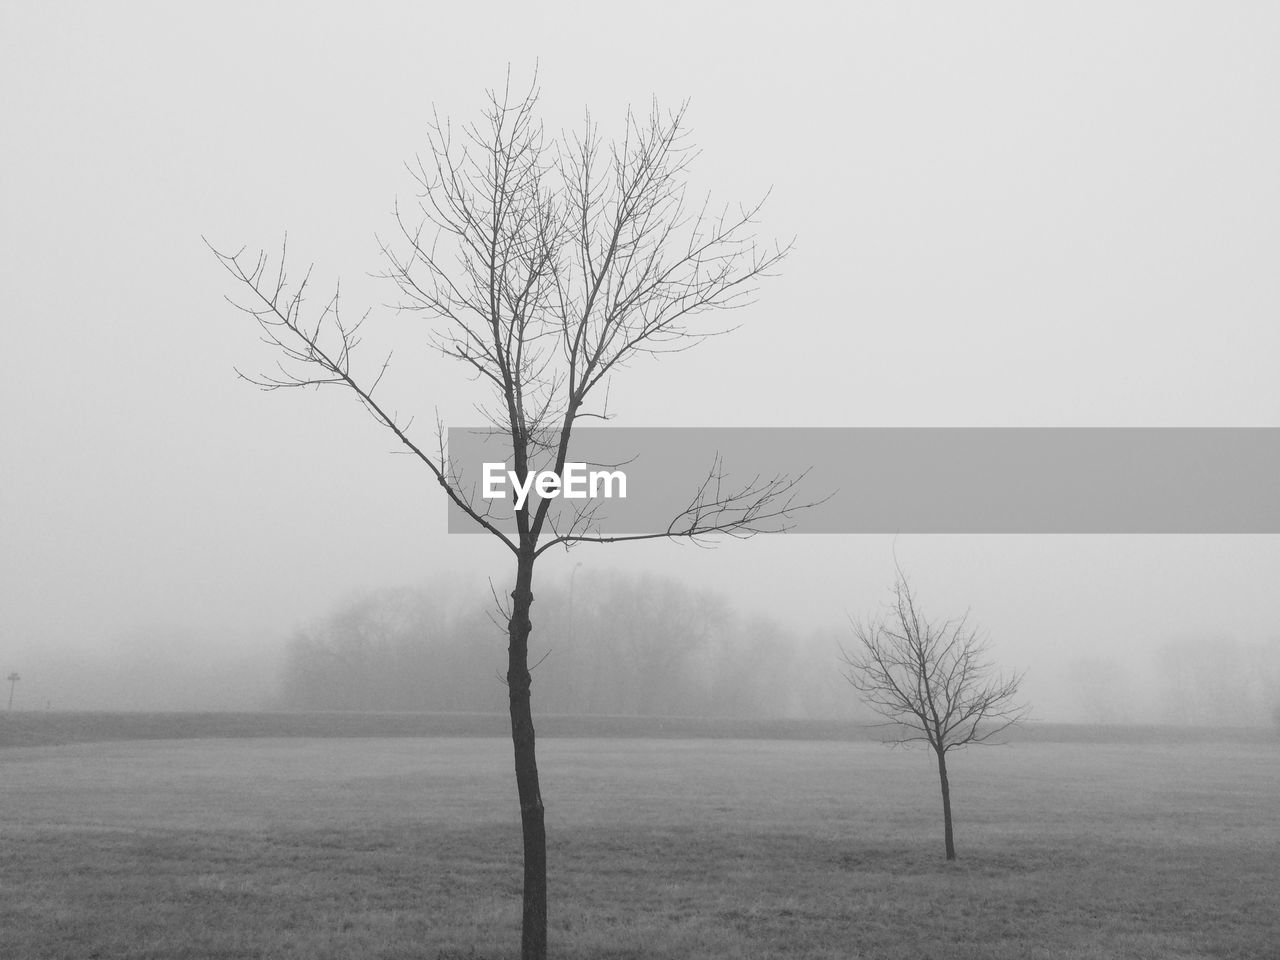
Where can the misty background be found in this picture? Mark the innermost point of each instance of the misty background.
(1005, 216)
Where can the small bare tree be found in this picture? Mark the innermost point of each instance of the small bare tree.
(13, 679)
(932, 682)
(545, 265)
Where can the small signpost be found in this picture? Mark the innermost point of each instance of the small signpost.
(13, 679)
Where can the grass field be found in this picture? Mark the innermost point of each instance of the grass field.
(662, 848)
(40, 728)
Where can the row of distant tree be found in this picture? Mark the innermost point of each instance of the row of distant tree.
(1192, 681)
(612, 643)
(605, 643)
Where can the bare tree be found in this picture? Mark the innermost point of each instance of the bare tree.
(932, 682)
(13, 679)
(547, 265)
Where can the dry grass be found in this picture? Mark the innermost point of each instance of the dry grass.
(409, 848)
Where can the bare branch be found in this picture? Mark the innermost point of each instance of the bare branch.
(319, 353)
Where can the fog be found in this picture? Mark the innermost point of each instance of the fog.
(1004, 217)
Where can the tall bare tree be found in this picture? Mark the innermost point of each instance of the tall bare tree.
(545, 264)
(933, 683)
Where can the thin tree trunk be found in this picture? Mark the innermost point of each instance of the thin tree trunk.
(946, 804)
(533, 936)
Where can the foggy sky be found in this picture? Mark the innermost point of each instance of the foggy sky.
(1006, 215)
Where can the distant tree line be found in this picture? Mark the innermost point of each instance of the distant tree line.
(611, 643)
(624, 644)
(1192, 681)
(1218, 681)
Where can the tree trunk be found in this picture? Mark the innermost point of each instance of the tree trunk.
(946, 804)
(533, 935)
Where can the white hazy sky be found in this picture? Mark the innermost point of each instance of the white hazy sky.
(1007, 214)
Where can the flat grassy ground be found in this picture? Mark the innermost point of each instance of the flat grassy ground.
(662, 848)
(36, 728)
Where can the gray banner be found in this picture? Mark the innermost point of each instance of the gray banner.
(919, 480)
